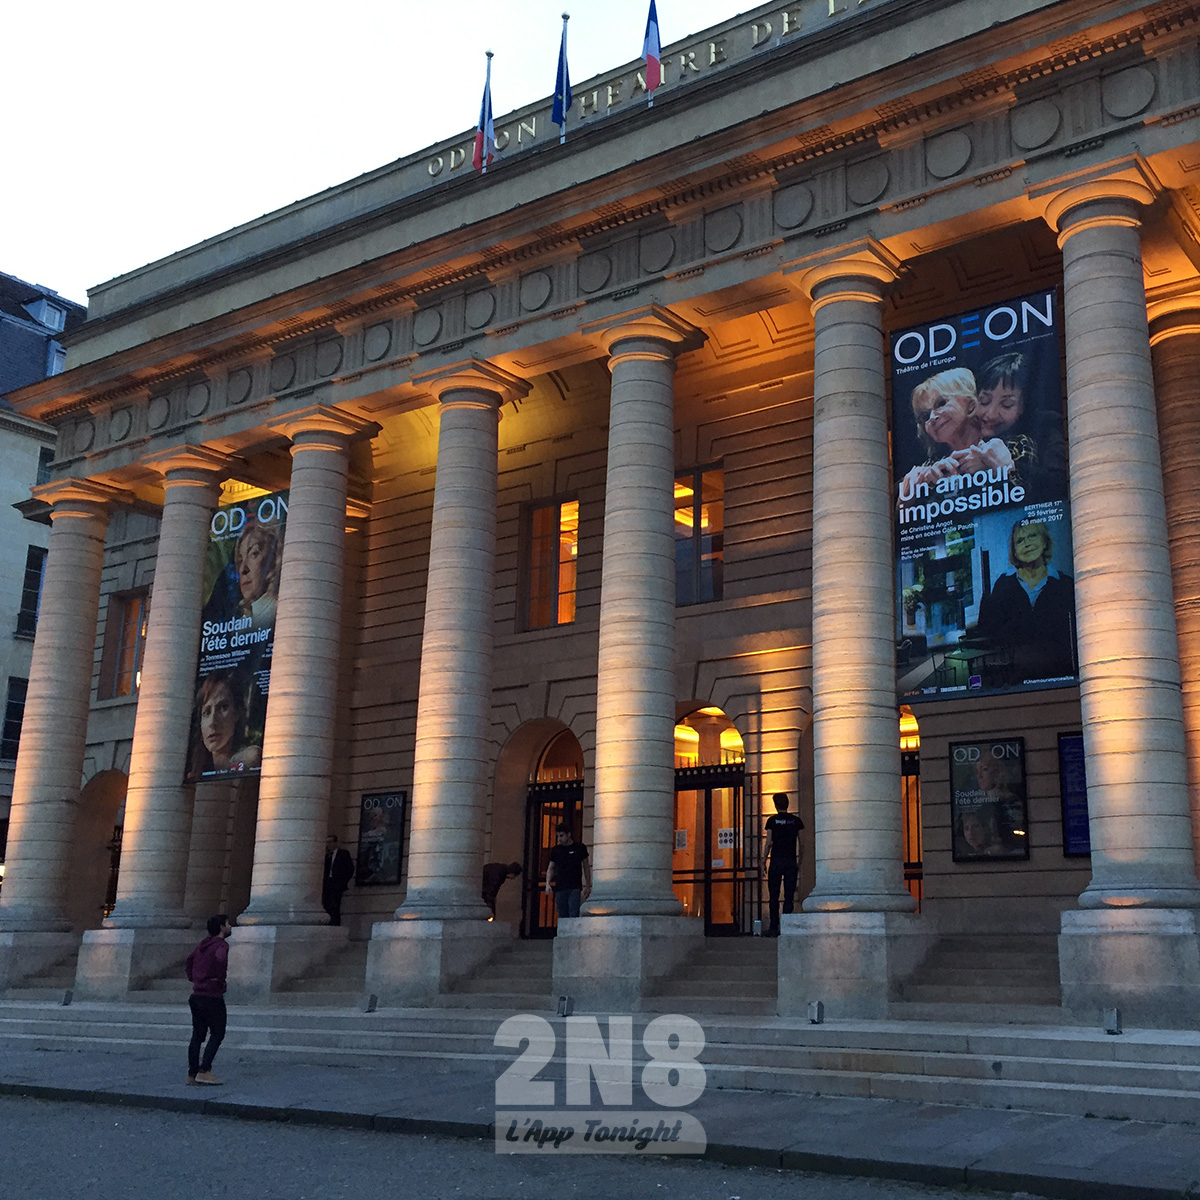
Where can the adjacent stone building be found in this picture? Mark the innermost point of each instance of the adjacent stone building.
(591, 516)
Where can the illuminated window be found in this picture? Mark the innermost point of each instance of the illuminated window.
(553, 541)
(699, 535)
(14, 714)
(124, 644)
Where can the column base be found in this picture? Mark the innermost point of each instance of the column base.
(26, 955)
(411, 963)
(851, 961)
(606, 964)
(1144, 961)
(263, 958)
(115, 962)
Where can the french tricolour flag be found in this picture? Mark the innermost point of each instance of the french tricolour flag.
(652, 50)
(485, 134)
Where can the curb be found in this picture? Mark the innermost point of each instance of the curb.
(789, 1159)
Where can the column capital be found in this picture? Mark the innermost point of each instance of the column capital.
(474, 375)
(1176, 317)
(1115, 187)
(86, 493)
(651, 322)
(323, 425)
(859, 271)
(188, 464)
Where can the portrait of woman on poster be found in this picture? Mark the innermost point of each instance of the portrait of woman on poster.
(1030, 610)
(945, 407)
(1034, 440)
(979, 833)
(257, 560)
(220, 742)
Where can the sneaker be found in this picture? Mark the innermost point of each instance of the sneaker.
(207, 1078)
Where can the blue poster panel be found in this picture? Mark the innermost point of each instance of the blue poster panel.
(985, 599)
(1072, 779)
(237, 635)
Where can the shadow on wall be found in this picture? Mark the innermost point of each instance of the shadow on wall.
(101, 810)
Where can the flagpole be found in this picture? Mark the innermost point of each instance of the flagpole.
(487, 87)
(562, 133)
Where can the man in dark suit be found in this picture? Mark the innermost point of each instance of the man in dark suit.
(339, 870)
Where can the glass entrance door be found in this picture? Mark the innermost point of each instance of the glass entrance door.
(546, 805)
(708, 861)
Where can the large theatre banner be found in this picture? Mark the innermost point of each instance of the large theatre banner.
(985, 597)
(241, 589)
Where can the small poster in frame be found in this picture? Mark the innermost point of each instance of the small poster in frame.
(380, 838)
(988, 811)
(1072, 779)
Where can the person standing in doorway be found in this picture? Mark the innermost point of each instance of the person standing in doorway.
(781, 859)
(206, 968)
(569, 875)
(339, 870)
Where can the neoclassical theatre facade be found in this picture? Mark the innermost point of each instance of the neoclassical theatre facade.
(631, 482)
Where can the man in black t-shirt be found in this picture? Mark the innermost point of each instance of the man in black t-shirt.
(569, 875)
(781, 858)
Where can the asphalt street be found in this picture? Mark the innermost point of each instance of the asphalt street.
(53, 1150)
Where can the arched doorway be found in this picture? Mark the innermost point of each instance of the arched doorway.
(96, 850)
(554, 796)
(713, 825)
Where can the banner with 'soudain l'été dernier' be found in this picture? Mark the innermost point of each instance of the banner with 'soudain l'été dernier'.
(985, 598)
(237, 634)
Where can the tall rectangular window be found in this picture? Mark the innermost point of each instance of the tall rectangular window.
(14, 714)
(45, 461)
(553, 540)
(699, 535)
(31, 591)
(124, 644)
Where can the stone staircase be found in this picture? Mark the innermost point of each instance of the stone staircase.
(339, 982)
(1141, 1075)
(51, 984)
(732, 976)
(518, 978)
(975, 976)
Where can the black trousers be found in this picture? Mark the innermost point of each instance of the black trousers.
(208, 1020)
(331, 901)
(781, 871)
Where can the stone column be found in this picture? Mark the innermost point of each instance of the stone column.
(1175, 348)
(212, 810)
(1135, 944)
(850, 944)
(441, 929)
(158, 808)
(635, 927)
(34, 930)
(283, 932)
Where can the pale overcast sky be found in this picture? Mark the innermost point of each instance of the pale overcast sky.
(134, 128)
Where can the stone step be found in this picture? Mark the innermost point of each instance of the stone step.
(966, 993)
(972, 1012)
(699, 1005)
(764, 973)
(505, 1002)
(714, 988)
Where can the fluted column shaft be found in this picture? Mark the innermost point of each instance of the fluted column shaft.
(158, 808)
(1175, 341)
(1128, 655)
(298, 738)
(858, 847)
(450, 772)
(635, 682)
(54, 730)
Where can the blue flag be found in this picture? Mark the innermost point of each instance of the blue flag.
(562, 85)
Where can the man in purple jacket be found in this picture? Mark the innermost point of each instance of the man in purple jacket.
(206, 967)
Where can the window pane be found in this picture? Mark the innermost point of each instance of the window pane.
(543, 566)
(31, 591)
(685, 530)
(131, 643)
(568, 548)
(14, 714)
(710, 535)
